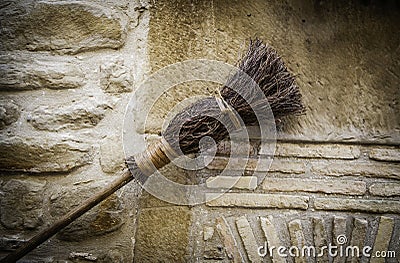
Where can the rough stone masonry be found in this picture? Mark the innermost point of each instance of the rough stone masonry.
(69, 68)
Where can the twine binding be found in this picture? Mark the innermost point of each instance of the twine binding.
(227, 109)
(155, 156)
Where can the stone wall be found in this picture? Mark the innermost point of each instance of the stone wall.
(68, 69)
(336, 169)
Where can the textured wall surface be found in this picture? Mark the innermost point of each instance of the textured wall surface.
(68, 69)
(336, 169)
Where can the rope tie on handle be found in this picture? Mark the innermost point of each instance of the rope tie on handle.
(227, 109)
(155, 156)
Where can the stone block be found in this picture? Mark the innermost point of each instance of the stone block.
(162, 194)
(367, 169)
(21, 204)
(116, 77)
(118, 255)
(194, 31)
(258, 200)
(382, 238)
(9, 113)
(273, 240)
(287, 166)
(213, 248)
(248, 239)
(163, 233)
(278, 165)
(189, 37)
(385, 189)
(106, 217)
(46, 155)
(78, 115)
(297, 240)
(82, 256)
(214, 252)
(326, 151)
(25, 71)
(147, 200)
(112, 157)
(358, 236)
(243, 182)
(388, 154)
(208, 232)
(331, 186)
(231, 248)
(339, 231)
(363, 205)
(62, 26)
(8, 243)
(320, 237)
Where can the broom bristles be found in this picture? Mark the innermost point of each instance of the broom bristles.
(263, 64)
(268, 71)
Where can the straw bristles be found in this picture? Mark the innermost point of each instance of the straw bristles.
(267, 69)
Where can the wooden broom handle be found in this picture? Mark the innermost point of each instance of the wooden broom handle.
(155, 156)
(64, 221)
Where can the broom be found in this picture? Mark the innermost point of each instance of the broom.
(262, 64)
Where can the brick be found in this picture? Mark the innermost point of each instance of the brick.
(339, 236)
(272, 237)
(382, 240)
(392, 155)
(331, 186)
(248, 239)
(229, 241)
(326, 151)
(278, 165)
(364, 205)
(297, 239)
(258, 200)
(358, 237)
(367, 169)
(320, 238)
(243, 182)
(385, 189)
